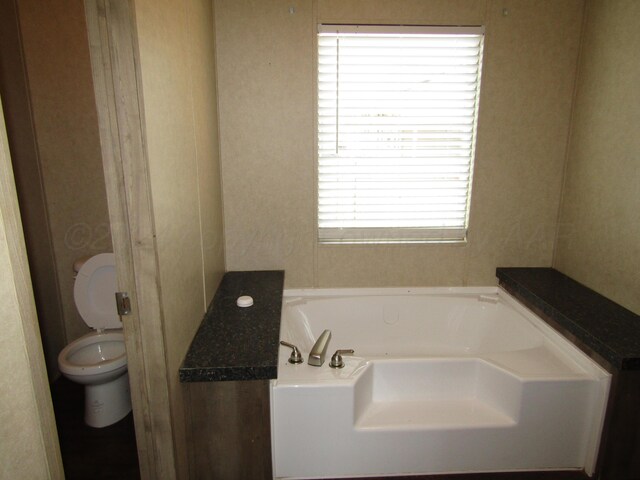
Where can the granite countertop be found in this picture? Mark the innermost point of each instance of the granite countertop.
(235, 343)
(610, 330)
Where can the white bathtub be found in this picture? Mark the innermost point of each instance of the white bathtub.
(443, 380)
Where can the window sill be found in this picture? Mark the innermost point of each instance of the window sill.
(370, 243)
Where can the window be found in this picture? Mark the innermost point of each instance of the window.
(397, 109)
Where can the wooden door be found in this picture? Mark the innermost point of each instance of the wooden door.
(114, 60)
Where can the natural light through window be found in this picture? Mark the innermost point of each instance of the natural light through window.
(397, 110)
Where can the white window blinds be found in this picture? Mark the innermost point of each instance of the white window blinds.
(397, 109)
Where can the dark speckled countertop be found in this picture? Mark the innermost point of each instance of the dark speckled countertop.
(235, 343)
(608, 329)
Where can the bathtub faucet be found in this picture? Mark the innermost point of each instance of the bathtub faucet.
(319, 350)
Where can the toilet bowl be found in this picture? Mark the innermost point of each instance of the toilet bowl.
(98, 359)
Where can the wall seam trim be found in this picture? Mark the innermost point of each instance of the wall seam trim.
(568, 144)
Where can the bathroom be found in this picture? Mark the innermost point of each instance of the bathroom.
(540, 187)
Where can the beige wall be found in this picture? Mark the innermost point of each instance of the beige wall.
(64, 118)
(29, 446)
(267, 109)
(26, 167)
(599, 236)
(177, 60)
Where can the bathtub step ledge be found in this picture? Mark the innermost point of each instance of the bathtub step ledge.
(432, 415)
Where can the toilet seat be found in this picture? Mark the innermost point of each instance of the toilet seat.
(90, 354)
(94, 291)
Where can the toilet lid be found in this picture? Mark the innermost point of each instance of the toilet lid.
(94, 292)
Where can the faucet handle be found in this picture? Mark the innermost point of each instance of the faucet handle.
(295, 356)
(336, 359)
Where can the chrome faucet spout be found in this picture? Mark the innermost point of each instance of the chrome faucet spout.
(319, 350)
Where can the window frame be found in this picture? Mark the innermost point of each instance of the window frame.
(394, 234)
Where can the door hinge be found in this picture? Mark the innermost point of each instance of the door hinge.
(123, 303)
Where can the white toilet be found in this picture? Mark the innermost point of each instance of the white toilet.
(98, 359)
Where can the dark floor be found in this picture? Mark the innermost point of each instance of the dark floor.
(107, 453)
(549, 475)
